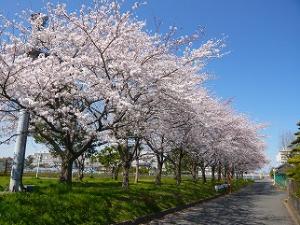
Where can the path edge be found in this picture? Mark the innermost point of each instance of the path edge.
(292, 211)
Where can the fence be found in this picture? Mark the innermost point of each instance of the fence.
(293, 191)
(281, 180)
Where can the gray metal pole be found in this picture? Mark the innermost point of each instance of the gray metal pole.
(19, 154)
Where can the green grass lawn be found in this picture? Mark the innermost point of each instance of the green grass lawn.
(95, 201)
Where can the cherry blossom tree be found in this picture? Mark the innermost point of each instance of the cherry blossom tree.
(97, 76)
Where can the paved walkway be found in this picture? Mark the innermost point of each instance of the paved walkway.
(257, 204)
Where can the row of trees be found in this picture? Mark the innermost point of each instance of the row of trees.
(96, 77)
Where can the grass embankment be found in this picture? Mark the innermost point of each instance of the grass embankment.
(96, 201)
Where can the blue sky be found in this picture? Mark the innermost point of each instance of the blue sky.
(261, 73)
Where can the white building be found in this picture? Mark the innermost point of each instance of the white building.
(46, 160)
(283, 156)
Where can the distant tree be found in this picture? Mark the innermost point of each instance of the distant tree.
(6, 164)
(29, 162)
(191, 164)
(109, 157)
(175, 158)
(80, 162)
(294, 159)
(296, 141)
(271, 173)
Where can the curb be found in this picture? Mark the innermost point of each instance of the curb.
(291, 210)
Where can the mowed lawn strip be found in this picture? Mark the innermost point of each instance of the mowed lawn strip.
(97, 200)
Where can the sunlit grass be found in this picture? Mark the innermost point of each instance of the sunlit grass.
(95, 201)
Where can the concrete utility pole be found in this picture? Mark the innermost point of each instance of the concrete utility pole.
(19, 154)
(38, 165)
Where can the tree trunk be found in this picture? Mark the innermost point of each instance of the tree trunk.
(213, 177)
(178, 174)
(178, 168)
(80, 166)
(126, 167)
(203, 174)
(136, 179)
(194, 172)
(66, 171)
(80, 174)
(115, 174)
(237, 174)
(225, 172)
(159, 171)
(113, 171)
(127, 156)
(219, 172)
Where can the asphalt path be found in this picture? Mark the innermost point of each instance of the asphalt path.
(257, 204)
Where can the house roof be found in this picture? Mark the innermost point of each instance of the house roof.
(283, 168)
